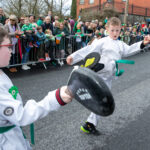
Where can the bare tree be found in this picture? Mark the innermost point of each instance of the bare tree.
(62, 8)
(13, 7)
(49, 6)
(23, 7)
(35, 7)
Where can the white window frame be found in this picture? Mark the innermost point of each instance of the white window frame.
(91, 1)
(81, 1)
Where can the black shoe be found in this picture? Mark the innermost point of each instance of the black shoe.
(90, 129)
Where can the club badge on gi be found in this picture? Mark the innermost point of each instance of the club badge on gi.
(8, 111)
(83, 94)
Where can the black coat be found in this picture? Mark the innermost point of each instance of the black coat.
(47, 26)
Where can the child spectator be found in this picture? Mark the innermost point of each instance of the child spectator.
(102, 32)
(30, 38)
(145, 29)
(79, 36)
(139, 37)
(127, 37)
(56, 19)
(41, 37)
(133, 35)
(60, 33)
(49, 45)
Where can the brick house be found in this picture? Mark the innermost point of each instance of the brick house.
(138, 8)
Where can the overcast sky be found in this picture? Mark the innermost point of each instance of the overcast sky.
(68, 3)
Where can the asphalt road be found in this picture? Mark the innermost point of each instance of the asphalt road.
(126, 129)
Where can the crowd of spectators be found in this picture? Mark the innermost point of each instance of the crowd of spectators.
(53, 37)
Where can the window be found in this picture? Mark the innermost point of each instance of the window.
(109, 0)
(124, 0)
(81, 1)
(91, 1)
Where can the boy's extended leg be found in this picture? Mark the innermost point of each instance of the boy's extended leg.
(90, 124)
(92, 120)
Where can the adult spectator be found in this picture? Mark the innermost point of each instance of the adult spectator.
(40, 20)
(32, 21)
(100, 25)
(2, 16)
(21, 22)
(67, 25)
(97, 23)
(56, 19)
(13, 29)
(72, 23)
(51, 16)
(87, 23)
(90, 32)
(47, 24)
(60, 34)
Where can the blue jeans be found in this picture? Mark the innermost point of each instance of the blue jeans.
(25, 57)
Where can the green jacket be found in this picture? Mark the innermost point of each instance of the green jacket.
(39, 22)
(2, 19)
(27, 27)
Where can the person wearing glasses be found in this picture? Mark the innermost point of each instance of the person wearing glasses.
(13, 29)
(12, 112)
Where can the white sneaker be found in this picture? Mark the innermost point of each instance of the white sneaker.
(25, 67)
(62, 63)
(59, 62)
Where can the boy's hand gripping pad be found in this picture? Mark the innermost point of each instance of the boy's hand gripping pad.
(91, 91)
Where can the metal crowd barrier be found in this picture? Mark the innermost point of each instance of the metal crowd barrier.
(70, 43)
(130, 39)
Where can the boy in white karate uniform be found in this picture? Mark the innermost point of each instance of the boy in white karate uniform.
(110, 49)
(12, 112)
